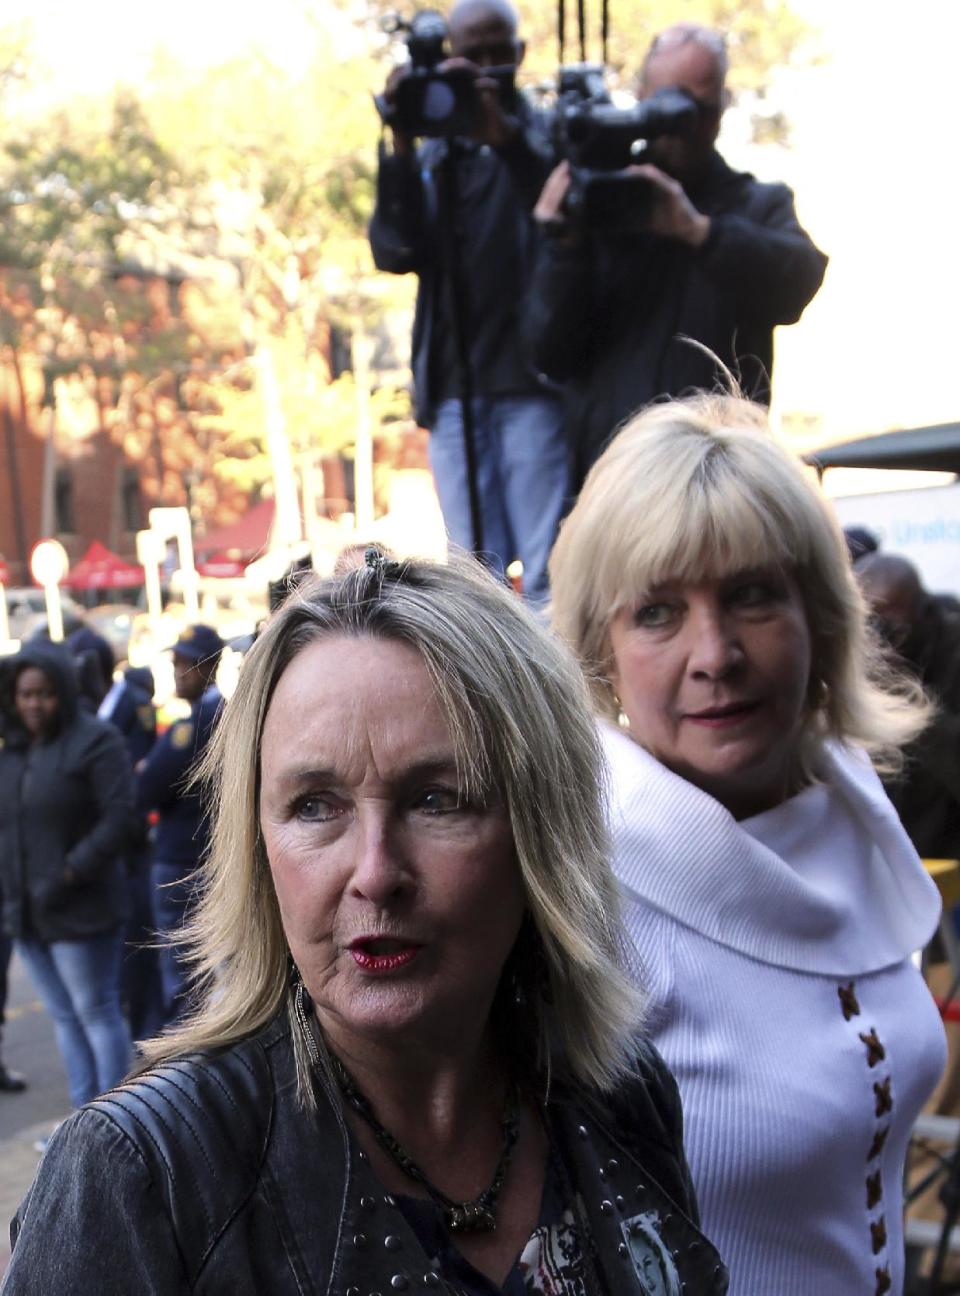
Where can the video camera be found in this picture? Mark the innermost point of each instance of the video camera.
(601, 141)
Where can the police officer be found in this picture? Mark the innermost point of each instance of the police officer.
(181, 835)
(128, 706)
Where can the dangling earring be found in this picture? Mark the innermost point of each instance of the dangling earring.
(817, 693)
(623, 720)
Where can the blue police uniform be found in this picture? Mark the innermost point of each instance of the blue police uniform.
(128, 706)
(134, 714)
(182, 829)
(181, 834)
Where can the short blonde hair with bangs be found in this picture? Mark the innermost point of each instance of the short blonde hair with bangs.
(698, 488)
(522, 726)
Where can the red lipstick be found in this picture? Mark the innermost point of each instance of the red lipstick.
(380, 955)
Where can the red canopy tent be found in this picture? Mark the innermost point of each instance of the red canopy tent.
(221, 565)
(246, 537)
(226, 550)
(100, 568)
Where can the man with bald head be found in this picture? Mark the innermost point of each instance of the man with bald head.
(720, 259)
(521, 456)
(923, 629)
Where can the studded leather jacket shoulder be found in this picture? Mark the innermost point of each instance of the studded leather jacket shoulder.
(206, 1175)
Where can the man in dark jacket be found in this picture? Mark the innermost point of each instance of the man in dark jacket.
(722, 260)
(522, 465)
(162, 785)
(924, 630)
(128, 706)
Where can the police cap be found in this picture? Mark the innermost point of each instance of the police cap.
(198, 643)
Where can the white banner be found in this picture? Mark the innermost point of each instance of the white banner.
(922, 525)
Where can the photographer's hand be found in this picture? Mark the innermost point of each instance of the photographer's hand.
(403, 144)
(673, 215)
(496, 127)
(549, 212)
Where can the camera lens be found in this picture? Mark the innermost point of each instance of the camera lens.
(439, 101)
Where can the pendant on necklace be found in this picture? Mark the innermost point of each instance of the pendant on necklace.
(471, 1217)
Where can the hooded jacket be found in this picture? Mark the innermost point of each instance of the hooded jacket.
(66, 813)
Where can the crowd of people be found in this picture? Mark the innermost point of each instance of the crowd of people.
(503, 955)
(544, 955)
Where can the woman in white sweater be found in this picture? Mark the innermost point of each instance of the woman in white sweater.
(774, 899)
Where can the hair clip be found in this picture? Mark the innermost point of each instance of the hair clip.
(384, 567)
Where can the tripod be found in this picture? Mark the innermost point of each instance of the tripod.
(451, 237)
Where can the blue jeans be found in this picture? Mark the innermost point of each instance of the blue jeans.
(173, 893)
(79, 983)
(523, 480)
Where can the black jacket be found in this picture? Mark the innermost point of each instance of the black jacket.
(495, 245)
(607, 317)
(134, 714)
(927, 794)
(207, 1175)
(66, 808)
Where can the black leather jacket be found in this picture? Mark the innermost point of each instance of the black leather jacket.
(207, 1175)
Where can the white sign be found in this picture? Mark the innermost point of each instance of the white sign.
(49, 564)
(922, 525)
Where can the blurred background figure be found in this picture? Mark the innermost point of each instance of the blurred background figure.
(162, 785)
(923, 630)
(95, 665)
(770, 889)
(66, 800)
(10, 1081)
(860, 541)
(125, 701)
(128, 706)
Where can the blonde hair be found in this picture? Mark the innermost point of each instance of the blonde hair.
(521, 722)
(698, 488)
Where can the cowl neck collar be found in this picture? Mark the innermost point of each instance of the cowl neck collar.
(679, 850)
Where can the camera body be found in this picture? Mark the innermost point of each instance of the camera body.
(601, 141)
(428, 102)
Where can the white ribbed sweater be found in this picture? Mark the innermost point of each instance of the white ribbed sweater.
(747, 934)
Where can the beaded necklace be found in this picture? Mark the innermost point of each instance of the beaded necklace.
(476, 1216)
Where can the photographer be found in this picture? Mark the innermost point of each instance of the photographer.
(486, 244)
(719, 258)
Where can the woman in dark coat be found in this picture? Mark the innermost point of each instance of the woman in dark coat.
(66, 798)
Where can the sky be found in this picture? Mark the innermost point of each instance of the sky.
(872, 162)
(92, 44)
